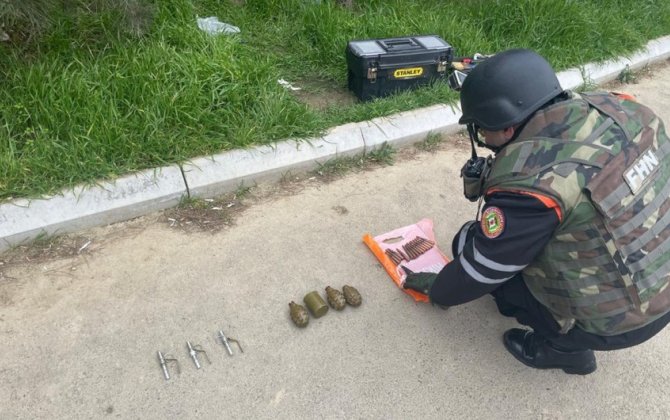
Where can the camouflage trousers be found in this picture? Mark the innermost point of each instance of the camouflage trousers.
(514, 299)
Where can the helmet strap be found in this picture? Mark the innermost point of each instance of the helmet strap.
(474, 139)
(472, 133)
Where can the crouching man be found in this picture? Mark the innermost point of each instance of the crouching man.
(573, 238)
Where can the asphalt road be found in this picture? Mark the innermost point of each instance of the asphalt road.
(80, 334)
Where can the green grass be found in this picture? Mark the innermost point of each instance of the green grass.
(336, 167)
(431, 143)
(87, 100)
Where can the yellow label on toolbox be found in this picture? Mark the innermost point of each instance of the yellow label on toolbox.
(409, 72)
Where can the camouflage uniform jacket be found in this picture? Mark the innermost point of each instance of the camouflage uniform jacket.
(605, 162)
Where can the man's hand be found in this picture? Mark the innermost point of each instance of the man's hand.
(421, 282)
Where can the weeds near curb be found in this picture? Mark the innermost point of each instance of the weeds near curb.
(431, 143)
(46, 248)
(207, 214)
(627, 75)
(385, 154)
(588, 85)
(337, 167)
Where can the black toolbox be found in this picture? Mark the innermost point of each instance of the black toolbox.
(380, 67)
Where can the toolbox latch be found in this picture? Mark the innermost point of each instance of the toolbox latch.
(372, 74)
(442, 66)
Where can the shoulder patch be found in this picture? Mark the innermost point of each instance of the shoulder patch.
(493, 222)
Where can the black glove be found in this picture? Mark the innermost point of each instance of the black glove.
(421, 282)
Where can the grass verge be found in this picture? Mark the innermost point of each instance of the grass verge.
(86, 101)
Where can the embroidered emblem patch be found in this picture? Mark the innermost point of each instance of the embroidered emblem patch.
(493, 222)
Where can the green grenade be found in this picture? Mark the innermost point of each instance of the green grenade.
(352, 296)
(335, 298)
(299, 314)
(315, 304)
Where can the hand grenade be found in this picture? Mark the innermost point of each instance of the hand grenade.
(352, 296)
(335, 298)
(299, 314)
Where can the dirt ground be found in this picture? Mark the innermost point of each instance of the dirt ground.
(82, 318)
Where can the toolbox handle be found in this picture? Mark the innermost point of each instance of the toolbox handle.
(396, 44)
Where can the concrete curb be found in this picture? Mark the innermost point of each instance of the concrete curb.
(153, 190)
(87, 206)
(206, 177)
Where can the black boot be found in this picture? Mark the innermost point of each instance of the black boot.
(535, 351)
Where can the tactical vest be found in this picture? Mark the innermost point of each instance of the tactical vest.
(606, 162)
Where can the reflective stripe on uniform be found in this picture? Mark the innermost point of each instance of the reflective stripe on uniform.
(505, 268)
(472, 272)
(463, 236)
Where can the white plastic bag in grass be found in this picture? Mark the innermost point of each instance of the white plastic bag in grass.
(213, 26)
(287, 85)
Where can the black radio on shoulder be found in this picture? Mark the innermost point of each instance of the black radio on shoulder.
(381, 67)
(474, 174)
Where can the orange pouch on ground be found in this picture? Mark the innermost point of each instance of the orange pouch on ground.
(411, 246)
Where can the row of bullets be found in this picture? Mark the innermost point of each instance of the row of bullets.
(410, 251)
(193, 351)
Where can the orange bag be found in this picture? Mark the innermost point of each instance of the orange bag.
(412, 246)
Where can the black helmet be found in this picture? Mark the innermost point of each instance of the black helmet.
(506, 88)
